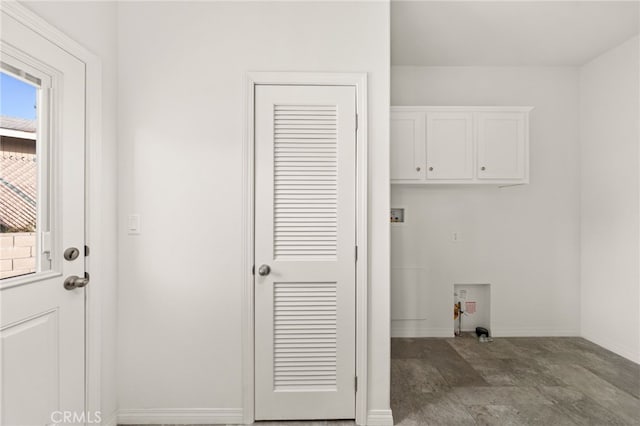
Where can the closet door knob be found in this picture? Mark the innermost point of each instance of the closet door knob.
(264, 270)
(483, 168)
(430, 169)
(417, 169)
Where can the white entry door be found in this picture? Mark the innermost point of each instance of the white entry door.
(42, 329)
(305, 234)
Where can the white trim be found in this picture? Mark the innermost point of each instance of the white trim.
(468, 108)
(94, 205)
(27, 279)
(185, 416)
(533, 332)
(380, 418)
(409, 328)
(362, 267)
(359, 80)
(112, 420)
(404, 328)
(248, 343)
(94, 232)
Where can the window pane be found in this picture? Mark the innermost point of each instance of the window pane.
(18, 176)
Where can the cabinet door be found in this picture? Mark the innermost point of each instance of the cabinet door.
(502, 145)
(407, 146)
(449, 145)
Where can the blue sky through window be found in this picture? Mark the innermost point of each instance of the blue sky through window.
(17, 98)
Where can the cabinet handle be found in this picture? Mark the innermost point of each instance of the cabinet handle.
(483, 168)
(417, 169)
(430, 169)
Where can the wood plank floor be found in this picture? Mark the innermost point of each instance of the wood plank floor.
(511, 381)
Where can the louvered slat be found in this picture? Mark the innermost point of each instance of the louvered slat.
(305, 177)
(305, 344)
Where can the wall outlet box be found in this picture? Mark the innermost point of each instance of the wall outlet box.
(397, 215)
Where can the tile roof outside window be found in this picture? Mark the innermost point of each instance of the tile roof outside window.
(18, 177)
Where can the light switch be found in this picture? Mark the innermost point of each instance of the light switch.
(133, 224)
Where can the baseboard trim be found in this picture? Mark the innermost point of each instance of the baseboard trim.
(111, 420)
(412, 330)
(379, 418)
(406, 330)
(627, 353)
(186, 416)
(533, 332)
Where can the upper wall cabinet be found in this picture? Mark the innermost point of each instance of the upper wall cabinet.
(468, 145)
(449, 145)
(502, 145)
(407, 146)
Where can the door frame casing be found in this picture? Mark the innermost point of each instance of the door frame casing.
(359, 81)
(93, 185)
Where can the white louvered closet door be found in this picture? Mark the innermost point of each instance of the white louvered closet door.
(305, 231)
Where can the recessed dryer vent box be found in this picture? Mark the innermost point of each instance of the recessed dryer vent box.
(397, 215)
(476, 305)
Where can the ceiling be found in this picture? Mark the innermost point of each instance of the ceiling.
(508, 33)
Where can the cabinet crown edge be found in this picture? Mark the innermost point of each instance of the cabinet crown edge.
(468, 108)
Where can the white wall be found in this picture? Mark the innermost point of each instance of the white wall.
(609, 138)
(522, 240)
(93, 24)
(181, 121)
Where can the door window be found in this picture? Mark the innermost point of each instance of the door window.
(23, 174)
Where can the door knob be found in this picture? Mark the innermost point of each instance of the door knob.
(74, 281)
(264, 270)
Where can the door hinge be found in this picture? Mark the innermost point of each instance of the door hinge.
(356, 253)
(253, 270)
(355, 383)
(356, 121)
(86, 251)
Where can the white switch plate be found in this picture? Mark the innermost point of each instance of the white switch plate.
(133, 224)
